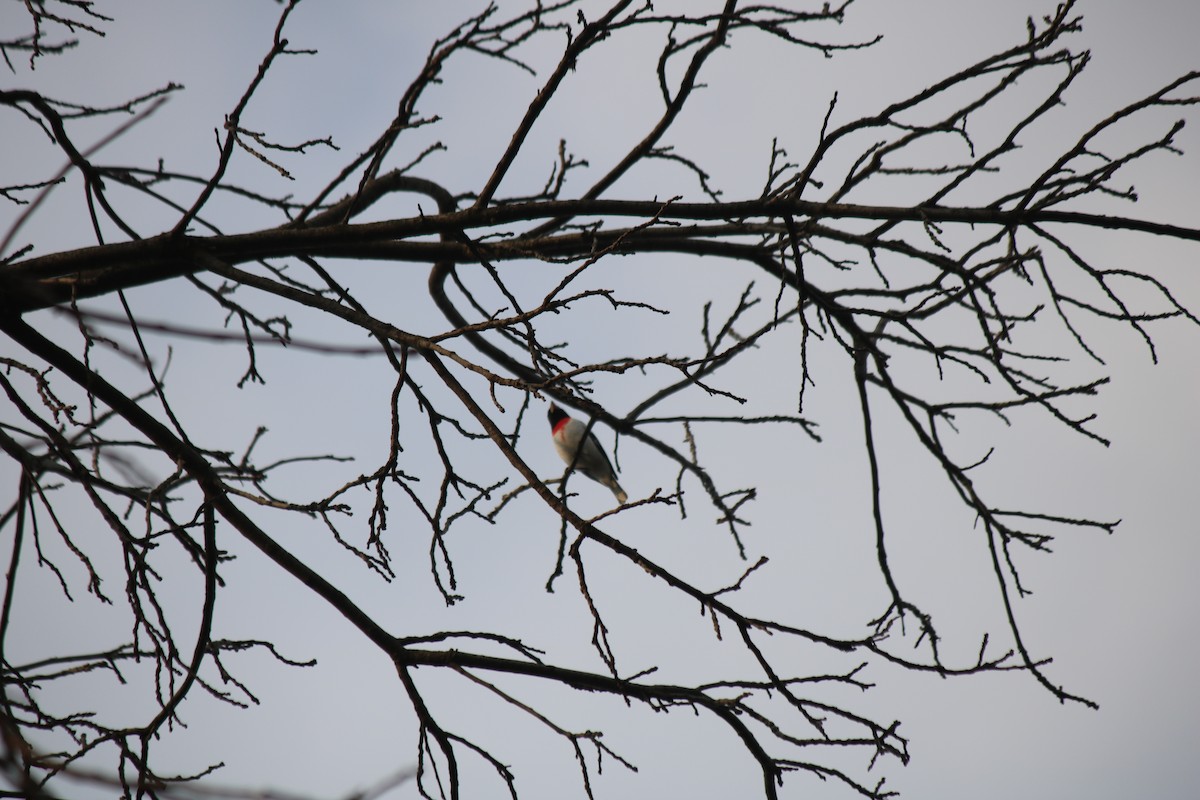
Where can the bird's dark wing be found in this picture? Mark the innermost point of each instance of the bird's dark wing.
(596, 442)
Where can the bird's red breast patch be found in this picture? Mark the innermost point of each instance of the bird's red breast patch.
(558, 426)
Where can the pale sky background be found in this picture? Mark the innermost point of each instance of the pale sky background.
(1116, 613)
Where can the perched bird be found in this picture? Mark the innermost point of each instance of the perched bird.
(591, 460)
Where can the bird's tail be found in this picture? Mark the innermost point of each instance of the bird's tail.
(611, 483)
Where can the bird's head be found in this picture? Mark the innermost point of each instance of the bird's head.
(556, 415)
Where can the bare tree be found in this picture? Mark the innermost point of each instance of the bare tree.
(969, 301)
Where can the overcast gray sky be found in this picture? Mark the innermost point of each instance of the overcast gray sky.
(1116, 613)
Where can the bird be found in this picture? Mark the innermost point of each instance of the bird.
(568, 434)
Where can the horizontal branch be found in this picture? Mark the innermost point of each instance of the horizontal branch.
(92, 271)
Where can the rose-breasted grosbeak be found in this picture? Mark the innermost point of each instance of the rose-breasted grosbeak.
(591, 460)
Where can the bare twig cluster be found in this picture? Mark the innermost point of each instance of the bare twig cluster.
(892, 288)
